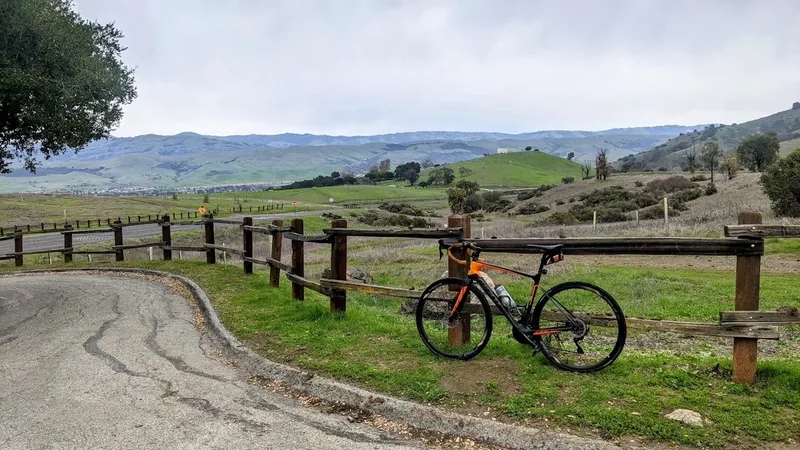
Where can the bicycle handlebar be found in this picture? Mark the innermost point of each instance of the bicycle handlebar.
(450, 244)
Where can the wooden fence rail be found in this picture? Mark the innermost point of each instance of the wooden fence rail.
(744, 241)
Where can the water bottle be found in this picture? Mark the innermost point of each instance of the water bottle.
(505, 297)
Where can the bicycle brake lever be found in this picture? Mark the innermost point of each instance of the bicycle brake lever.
(441, 253)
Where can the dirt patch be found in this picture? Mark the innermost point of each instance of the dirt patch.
(482, 376)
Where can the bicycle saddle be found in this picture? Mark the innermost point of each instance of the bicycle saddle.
(548, 249)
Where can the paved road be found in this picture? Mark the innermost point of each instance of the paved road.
(90, 361)
(38, 242)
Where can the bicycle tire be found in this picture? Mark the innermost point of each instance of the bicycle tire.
(618, 320)
(437, 340)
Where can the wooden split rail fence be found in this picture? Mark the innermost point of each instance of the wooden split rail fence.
(746, 325)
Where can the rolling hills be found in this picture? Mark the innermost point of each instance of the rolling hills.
(123, 165)
(671, 154)
(520, 169)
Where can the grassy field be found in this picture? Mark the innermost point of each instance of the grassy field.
(520, 169)
(35, 208)
(350, 193)
(376, 347)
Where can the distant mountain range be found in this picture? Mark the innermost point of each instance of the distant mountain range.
(191, 159)
(672, 153)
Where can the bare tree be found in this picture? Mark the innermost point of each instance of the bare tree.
(586, 170)
(601, 164)
(691, 160)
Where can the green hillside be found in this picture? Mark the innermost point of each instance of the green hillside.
(519, 169)
(671, 154)
(346, 193)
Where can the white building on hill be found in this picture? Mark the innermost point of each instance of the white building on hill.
(500, 151)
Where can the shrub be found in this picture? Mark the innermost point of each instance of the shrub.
(645, 199)
(473, 203)
(711, 189)
(567, 180)
(492, 202)
(372, 218)
(669, 185)
(527, 195)
(205, 198)
(572, 199)
(533, 208)
(402, 208)
(607, 195)
(662, 169)
(561, 218)
(699, 178)
(638, 183)
(559, 202)
(781, 181)
(687, 195)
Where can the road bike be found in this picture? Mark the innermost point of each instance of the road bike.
(577, 326)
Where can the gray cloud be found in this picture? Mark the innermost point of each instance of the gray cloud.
(363, 66)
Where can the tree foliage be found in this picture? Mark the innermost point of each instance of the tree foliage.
(710, 155)
(400, 171)
(62, 81)
(759, 151)
(570, 156)
(470, 187)
(586, 170)
(730, 166)
(442, 176)
(781, 181)
(457, 200)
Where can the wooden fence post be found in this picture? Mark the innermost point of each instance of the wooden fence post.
(68, 244)
(211, 254)
(18, 258)
(298, 260)
(118, 241)
(166, 238)
(247, 245)
(459, 333)
(339, 267)
(748, 279)
(277, 244)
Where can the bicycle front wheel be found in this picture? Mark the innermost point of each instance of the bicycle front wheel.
(579, 327)
(464, 335)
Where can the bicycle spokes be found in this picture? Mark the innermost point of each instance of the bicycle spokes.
(578, 328)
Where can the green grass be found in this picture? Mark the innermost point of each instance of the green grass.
(342, 194)
(33, 209)
(520, 169)
(781, 245)
(375, 347)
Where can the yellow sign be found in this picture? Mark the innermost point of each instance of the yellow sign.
(202, 210)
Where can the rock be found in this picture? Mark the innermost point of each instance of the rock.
(687, 416)
(354, 274)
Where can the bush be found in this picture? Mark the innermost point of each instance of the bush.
(687, 195)
(781, 181)
(662, 169)
(638, 183)
(205, 198)
(492, 202)
(699, 178)
(645, 199)
(561, 218)
(669, 185)
(572, 199)
(559, 202)
(533, 208)
(535, 192)
(711, 189)
(567, 180)
(372, 218)
(402, 208)
(473, 203)
(607, 195)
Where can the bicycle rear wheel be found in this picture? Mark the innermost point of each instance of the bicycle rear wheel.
(579, 327)
(462, 338)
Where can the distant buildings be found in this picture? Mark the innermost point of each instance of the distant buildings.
(502, 150)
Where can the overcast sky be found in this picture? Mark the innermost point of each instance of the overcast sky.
(372, 66)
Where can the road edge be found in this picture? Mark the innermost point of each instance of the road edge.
(417, 415)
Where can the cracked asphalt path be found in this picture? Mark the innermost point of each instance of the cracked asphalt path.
(114, 362)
